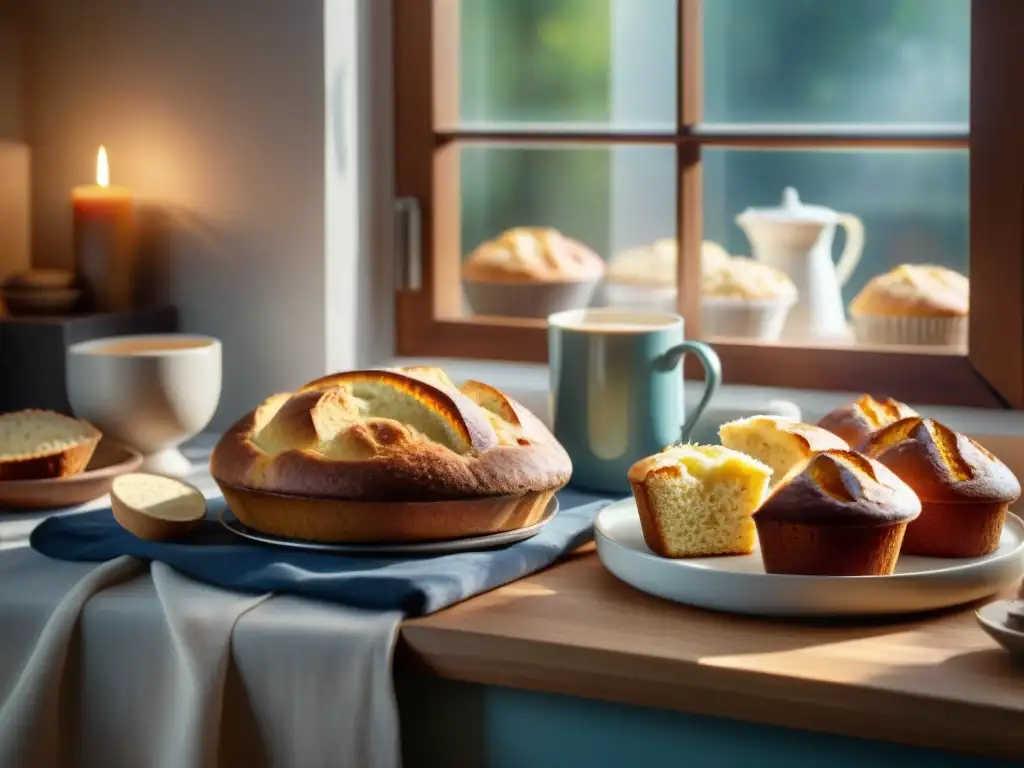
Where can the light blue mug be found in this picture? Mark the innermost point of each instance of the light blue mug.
(617, 389)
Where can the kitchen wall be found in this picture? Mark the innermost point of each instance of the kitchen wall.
(240, 126)
(14, 156)
(11, 50)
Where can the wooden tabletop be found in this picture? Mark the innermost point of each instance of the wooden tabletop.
(575, 629)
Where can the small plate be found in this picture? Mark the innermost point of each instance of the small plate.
(490, 541)
(992, 618)
(110, 459)
(739, 584)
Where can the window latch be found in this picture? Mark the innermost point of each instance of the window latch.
(408, 244)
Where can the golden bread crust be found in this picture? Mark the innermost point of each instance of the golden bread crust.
(914, 290)
(533, 255)
(841, 488)
(856, 422)
(387, 435)
(942, 465)
(674, 463)
(809, 437)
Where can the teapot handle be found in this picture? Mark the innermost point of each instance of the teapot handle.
(854, 246)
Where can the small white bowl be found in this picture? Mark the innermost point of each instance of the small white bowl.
(152, 392)
(993, 618)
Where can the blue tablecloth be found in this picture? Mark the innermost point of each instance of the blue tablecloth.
(416, 586)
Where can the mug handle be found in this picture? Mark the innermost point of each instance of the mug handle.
(712, 379)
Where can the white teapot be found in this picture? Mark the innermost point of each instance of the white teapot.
(797, 239)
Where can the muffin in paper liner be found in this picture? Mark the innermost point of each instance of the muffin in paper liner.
(760, 319)
(911, 330)
(659, 298)
(526, 299)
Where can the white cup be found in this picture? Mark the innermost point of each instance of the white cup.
(151, 392)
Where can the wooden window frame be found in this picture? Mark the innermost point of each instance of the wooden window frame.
(428, 318)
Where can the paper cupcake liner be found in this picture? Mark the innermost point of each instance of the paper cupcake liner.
(655, 298)
(911, 331)
(760, 319)
(537, 300)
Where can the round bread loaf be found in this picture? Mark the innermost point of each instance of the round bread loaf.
(407, 437)
(965, 491)
(856, 422)
(842, 514)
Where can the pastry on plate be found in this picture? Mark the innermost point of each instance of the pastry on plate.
(530, 272)
(389, 456)
(965, 491)
(841, 514)
(779, 442)
(697, 500)
(856, 422)
(744, 298)
(913, 304)
(39, 445)
(647, 276)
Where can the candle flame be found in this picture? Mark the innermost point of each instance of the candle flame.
(102, 168)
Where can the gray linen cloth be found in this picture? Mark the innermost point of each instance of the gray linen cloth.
(132, 664)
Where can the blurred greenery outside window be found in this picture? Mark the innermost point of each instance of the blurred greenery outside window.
(903, 62)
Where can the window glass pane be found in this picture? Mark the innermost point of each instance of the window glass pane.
(600, 63)
(912, 206)
(836, 61)
(605, 199)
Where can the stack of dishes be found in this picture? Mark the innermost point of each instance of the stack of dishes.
(40, 292)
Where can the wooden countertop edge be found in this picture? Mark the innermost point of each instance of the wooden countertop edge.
(844, 709)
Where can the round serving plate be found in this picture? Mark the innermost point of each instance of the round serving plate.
(467, 544)
(739, 584)
(110, 460)
(354, 521)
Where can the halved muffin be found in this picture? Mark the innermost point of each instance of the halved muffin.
(698, 500)
(780, 443)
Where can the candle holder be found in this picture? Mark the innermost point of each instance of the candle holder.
(104, 242)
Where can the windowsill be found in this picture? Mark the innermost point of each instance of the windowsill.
(529, 384)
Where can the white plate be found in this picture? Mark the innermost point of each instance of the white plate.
(471, 543)
(739, 584)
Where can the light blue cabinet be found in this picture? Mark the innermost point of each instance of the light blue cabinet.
(452, 724)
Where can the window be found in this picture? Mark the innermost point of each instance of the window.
(668, 135)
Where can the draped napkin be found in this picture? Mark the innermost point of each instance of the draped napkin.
(221, 651)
